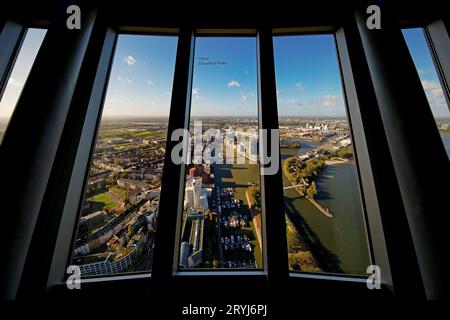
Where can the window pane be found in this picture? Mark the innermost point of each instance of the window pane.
(324, 214)
(222, 214)
(19, 74)
(118, 218)
(420, 53)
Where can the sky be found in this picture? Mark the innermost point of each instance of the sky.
(141, 76)
(225, 75)
(25, 58)
(224, 78)
(420, 53)
(307, 76)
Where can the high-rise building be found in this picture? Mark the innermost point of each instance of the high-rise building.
(252, 148)
(195, 194)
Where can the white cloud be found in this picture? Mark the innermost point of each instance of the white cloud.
(430, 85)
(115, 100)
(125, 80)
(233, 83)
(300, 87)
(326, 102)
(291, 103)
(167, 93)
(245, 96)
(330, 101)
(434, 93)
(120, 101)
(433, 88)
(130, 61)
(437, 93)
(15, 83)
(195, 94)
(150, 82)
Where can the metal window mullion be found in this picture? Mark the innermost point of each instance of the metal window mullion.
(83, 127)
(165, 258)
(409, 123)
(387, 225)
(437, 34)
(272, 198)
(38, 120)
(369, 144)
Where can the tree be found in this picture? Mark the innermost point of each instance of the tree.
(294, 261)
(292, 238)
(130, 231)
(312, 190)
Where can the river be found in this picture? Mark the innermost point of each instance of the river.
(339, 244)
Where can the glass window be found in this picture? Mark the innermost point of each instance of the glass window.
(421, 56)
(221, 225)
(19, 74)
(117, 227)
(324, 214)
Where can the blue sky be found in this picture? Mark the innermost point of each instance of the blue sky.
(141, 76)
(307, 76)
(420, 53)
(225, 83)
(224, 77)
(25, 58)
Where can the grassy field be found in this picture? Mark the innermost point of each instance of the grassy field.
(104, 198)
(127, 134)
(149, 134)
(121, 193)
(110, 133)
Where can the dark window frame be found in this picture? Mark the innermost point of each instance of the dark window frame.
(55, 283)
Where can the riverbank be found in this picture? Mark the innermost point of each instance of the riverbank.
(338, 245)
(331, 162)
(325, 211)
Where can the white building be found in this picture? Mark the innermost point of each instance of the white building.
(346, 142)
(252, 148)
(196, 196)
